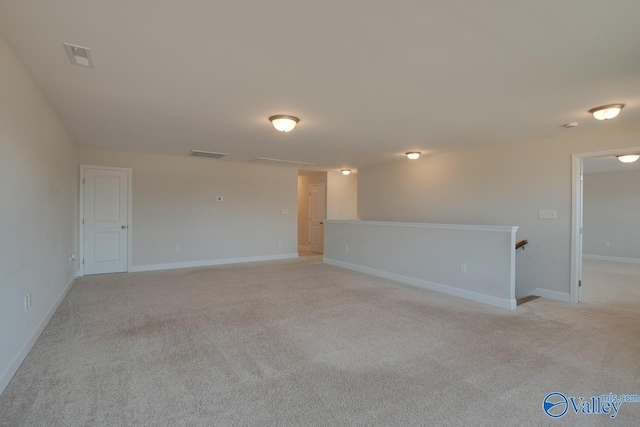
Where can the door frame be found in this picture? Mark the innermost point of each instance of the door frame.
(324, 214)
(129, 214)
(577, 161)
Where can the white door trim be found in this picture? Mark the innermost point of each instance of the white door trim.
(129, 213)
(576, 211)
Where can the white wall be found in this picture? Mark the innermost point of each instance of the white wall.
(342, 195)
(304, 181)
(38, 196)
(496, 185)
(611, 213)
(174, 203)
(430, 256)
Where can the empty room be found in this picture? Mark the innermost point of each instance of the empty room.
(356, 213)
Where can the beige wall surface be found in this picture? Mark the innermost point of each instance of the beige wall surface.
(342, 195)
(502, 184)
(174, 203)
(38, 219)
(432, 257)
(304, 181)
(611, 213)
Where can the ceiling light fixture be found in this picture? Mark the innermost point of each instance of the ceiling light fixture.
(345, 171)
(629, 158)
(606, 112)
(284, 123)
(413, 155)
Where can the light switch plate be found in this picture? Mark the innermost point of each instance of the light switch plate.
(547, 214)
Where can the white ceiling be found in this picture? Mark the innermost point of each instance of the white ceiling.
(368, 79)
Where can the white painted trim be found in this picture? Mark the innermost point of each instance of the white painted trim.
(546, 293)
(611, 258)
(211, 262)
(129, 214)
(6, 376)
(462, 293)
(303, 248)
(502, 229)
(512, 279)
(576, 213)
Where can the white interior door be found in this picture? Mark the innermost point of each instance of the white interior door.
(105, 227)
(316, 218)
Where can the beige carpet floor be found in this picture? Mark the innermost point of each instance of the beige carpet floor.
(300, 343)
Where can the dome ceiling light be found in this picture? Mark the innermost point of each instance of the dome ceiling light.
(606, 112)
(413, 155)
(629, 158)
(284, 123)
(346, 171)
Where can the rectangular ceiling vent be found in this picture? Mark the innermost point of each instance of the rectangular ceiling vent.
(280, 162)
(207, 154)
(79, 55)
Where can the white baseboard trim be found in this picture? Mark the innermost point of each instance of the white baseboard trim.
(209, 263)
(546, 293)
(462, 293)
(612, 258)
(303, 248)
(6, 376)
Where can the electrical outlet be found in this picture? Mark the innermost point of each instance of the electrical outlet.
(547, 214)
(219, 198)
(346, 248)
(285, 211)
(279, 242)
(178, 248)
(71, 258)
(607, 244)
(463, 268)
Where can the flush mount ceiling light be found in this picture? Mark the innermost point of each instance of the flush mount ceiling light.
(629, 158)
(413, 155)
(284, 123)
(606, 112)
(345, 171)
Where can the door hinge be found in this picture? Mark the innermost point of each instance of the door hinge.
(83, 221)
(579, 283)
(83, 262)
(83, 180)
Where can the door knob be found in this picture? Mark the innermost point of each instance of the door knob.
(124, 227)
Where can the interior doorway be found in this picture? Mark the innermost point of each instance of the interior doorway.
(316, 217)
(603, 161)
(312, 210)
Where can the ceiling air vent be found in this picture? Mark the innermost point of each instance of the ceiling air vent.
(207, 154)
(79, 55)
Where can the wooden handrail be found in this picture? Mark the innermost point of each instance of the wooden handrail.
(521, 244)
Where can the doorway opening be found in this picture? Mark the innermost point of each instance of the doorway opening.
(607, 202)
(312, 210)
